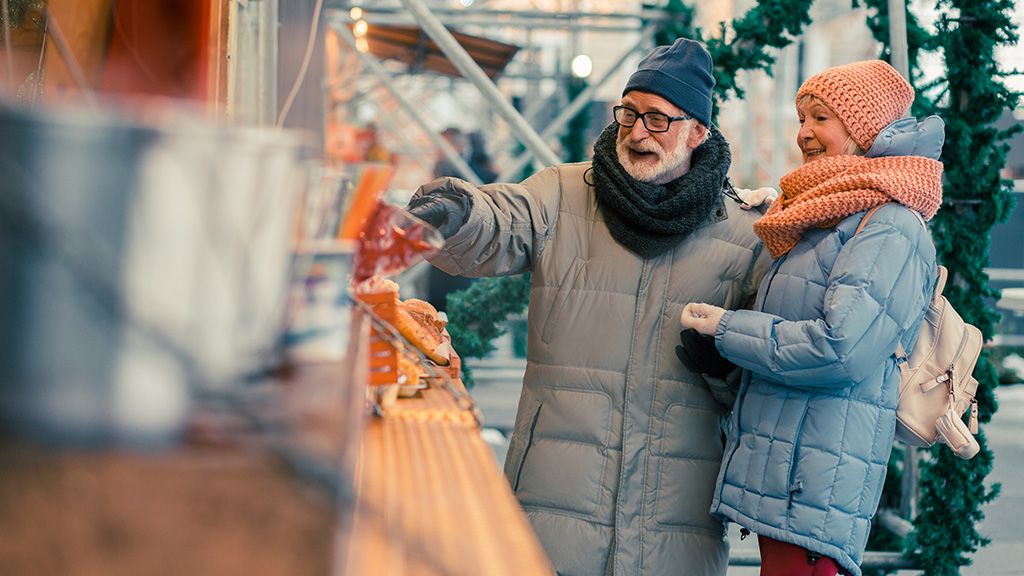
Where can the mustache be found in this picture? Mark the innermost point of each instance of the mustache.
(642, 147)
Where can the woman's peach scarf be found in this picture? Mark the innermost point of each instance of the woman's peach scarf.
(821, 193)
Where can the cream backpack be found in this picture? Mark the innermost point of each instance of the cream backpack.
(936, 386)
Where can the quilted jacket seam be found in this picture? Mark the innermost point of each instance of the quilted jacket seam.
(650, 420)
(588, 518)
(835, 474)
(550, 231)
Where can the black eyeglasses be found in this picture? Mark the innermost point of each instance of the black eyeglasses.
(653, 121)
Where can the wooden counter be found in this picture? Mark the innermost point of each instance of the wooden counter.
(431, 500)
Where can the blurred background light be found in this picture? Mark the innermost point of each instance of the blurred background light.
(582, 66)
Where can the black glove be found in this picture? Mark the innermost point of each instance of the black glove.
(441, 207)
(698, 354)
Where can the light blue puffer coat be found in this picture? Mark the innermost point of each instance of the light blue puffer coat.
(810, 436)
(814, 421)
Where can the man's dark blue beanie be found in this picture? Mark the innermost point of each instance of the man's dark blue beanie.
(681, 74)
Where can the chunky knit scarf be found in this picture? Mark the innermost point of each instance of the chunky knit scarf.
(651, 219)
(821, 193)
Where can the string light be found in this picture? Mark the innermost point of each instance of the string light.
(360, 28)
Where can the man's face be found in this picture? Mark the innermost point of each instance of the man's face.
(656, 157)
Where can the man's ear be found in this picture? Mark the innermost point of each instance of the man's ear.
(697, 135)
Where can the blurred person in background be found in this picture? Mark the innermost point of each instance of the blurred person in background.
(616, 443)
(375, 150)
(457, 140)
(813, 427)
(479, 159)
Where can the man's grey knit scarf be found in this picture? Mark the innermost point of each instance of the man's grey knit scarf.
(651, 219)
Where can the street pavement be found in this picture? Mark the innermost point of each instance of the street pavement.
(498, 382)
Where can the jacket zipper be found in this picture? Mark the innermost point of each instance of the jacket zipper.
(526, 449)
(771, 278)
(794, 487)
(948, 374)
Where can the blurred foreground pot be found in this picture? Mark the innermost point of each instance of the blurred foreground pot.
(139, 263)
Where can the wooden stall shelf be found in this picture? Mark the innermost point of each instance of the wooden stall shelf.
(430, 499)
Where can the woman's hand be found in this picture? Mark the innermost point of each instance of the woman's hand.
(703, 318)
(755, 198)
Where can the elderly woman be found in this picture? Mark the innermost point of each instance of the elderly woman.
(813, 424)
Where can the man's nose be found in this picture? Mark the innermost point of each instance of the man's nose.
(639, 131)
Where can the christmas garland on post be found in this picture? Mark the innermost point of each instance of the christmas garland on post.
(970, 100)
(474, 319)
(952, 490)
(18, 10)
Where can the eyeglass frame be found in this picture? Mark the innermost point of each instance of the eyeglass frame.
(643, 118)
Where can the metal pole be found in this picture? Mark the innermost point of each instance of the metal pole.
(469, 20)
(67, 54)
(583, 99)
(898, 37)
(7, 44)
(252, 73)
(406, 147)
(908, 498)
(378, 70)
(505, 17)
(447, 43)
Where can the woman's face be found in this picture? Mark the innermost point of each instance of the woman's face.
(821, 133)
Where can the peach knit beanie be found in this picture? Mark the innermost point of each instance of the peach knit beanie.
(866, 96)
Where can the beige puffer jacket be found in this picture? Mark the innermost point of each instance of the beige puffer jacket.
(616, 445)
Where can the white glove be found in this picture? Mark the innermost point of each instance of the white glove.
(703, 318)
(755, 198)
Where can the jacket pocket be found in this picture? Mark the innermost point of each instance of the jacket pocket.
(565, 289)
(517, 470)
(566, 466)
(795, 485)
(688, 460)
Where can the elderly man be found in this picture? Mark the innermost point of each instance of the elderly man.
(617, 443)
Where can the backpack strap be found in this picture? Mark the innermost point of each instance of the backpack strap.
(867, 216)
(871, 212)
(901, 353)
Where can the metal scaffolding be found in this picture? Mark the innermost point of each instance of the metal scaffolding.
(434, 22)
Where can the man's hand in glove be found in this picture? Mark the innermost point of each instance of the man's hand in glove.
(698, 353)
(440, 206)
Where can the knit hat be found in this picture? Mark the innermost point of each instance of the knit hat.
(866, 96)
(681, 74)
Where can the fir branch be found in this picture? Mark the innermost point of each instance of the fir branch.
(20, 9)
(769, 24)
(476, 312)
(953, 491)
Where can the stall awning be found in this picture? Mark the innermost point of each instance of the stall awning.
(411, 45)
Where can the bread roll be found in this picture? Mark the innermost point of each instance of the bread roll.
(418, 323)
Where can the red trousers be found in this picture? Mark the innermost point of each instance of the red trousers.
(785, 559)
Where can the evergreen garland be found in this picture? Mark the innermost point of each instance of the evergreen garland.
(475, 314)
(18, 10)
(977, 198)
(770, 24)
(970, 100)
